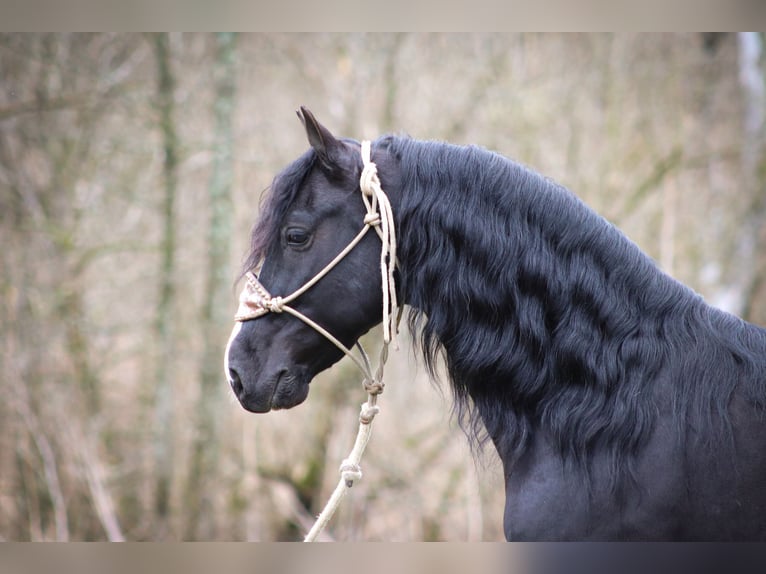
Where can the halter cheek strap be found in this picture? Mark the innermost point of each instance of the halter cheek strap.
(255, 301)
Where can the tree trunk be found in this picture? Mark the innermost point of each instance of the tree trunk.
(751, 63)
(163, 395)
(216, 312)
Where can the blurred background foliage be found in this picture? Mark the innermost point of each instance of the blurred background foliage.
(131, 169)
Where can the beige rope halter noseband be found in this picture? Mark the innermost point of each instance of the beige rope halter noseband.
(255, 301)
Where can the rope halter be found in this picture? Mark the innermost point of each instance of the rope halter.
(255, 301)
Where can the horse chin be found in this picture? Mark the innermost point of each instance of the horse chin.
(290, 391)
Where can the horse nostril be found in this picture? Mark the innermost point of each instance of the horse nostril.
(235, 382)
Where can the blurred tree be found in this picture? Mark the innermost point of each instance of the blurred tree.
(164, 333)
(391, 82)
(753, 80)
(216, 316)
(56, 101)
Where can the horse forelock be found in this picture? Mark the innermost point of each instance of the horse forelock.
(275, 204)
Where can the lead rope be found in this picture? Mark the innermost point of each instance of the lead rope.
(380, 216)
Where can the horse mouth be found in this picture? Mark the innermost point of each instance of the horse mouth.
(285, 390)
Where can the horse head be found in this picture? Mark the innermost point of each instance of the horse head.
(314, 210)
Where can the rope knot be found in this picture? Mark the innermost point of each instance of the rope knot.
(350, 471)
(275, 304)
(372, 219)
(374, 387)
(368, 413)
(369, 179)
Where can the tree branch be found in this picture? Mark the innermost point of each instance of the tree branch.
(21, 404)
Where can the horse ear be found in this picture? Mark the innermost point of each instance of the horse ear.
(326, 145)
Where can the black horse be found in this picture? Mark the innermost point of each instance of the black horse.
(621, 404)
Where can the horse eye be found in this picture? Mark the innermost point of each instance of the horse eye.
(296, 236)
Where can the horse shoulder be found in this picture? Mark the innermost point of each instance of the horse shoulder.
(548, 499)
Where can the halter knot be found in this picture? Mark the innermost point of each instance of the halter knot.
(372, 219)
(275, 304)
(369, 179)
(374, 387)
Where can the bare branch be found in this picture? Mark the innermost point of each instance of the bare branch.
(286, 499)
(94, 473)
(21, 403)
(662, 169)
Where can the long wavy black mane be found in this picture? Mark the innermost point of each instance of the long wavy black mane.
(547, 316)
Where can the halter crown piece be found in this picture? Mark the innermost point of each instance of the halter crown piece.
(255, 301)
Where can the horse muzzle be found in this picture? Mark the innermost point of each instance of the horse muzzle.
(281, 390)
(263, 387)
